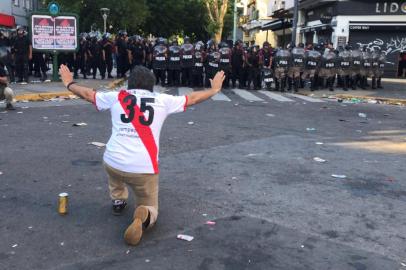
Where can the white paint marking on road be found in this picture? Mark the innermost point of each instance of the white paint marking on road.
(220, 97)
(309, 99)
(276, 96)
(247, 95)
(183, 91)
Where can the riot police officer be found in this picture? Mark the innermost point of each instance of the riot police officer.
(8, 59)
(297, 66)
(159, 60)
(81, 57)
(198, 59)
(225, 62)
(187, 62)
(253, 64)
(213, 61)
(366, 68)
(265, 56)
(356, 59)
(137, 52)
(375, 66)
(122, 54)
(237, 63)
(327, 69)
(282, 64)
(174, 64)
(344, 66)
(312, 64)
(23, 54)
(98, 57)
(108, 47)
(381, 68)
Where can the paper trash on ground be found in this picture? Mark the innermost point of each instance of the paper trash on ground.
(185, 237)
(98, 144)
(320, 160)
(341, 176)
(79, 124)
(210, 222)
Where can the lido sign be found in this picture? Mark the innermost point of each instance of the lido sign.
(390, 8)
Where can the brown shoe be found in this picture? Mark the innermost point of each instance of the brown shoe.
(133, 234)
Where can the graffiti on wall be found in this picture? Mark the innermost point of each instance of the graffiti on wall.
(394, 45)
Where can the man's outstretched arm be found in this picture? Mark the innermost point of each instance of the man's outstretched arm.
(200, 96)
(81, 91)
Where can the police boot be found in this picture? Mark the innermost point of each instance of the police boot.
(363, 83)
(346, 83)
(296, 84)
(379, 84)
(289, 84)
(276, 84)
(283, 84)
(312, 86)
(354, 83)
(44, 77)
(373, 82)
(330, 82)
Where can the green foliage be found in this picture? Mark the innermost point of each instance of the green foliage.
(156, 17)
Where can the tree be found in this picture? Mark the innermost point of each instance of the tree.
(216, 10)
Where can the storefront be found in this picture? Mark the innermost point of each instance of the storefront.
(282, 31)
(374, 24)
(7, 21)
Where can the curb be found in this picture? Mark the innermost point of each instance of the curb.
(390, 101)
(58, 94)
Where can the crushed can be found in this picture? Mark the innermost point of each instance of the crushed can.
(63, 203)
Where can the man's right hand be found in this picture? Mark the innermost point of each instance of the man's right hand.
(200, 96)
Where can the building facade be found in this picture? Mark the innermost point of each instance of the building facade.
(365, 23)
(255, 16)
(15, 12)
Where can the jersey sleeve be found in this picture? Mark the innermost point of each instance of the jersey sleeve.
(175, 104)
(105, 100)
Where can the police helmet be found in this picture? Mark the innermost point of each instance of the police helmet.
(186, 39)
(348, 47)
(265, 44)
(223, 44)
(301, 45)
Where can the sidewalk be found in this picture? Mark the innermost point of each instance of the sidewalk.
(394, 92)
(37, 91)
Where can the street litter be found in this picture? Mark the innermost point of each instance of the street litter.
(185, 237)
(44, 117)
(20, 112)
(190, 123)
(234, 178)
(320, 160)
(147, 260)
(341, 176)
(127, 252)
(210, 222)
(15, 245)
(254, 155)
(302, 246)
(270, 115)
(1, 173)
(310, 129)
(403, 264)
(205, 215)
(362, 115)
(30, 227)
(319, 143)
(62, 243)
(65, 121)
(98, 144)
(79, 124)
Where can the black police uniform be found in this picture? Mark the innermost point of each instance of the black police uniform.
(21, 47)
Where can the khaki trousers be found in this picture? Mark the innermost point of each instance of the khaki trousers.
(7, 94)
(144, 186)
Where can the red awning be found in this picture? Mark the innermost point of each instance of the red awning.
(7, 20)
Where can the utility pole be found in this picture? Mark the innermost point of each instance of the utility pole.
(295, 19)
(235, 22)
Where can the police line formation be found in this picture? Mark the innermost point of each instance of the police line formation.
(193, 64)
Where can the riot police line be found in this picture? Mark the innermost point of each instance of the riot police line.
(193, 64)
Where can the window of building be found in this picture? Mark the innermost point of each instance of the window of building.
(16, 2)
(28, 4)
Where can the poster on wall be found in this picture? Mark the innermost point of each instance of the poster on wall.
(54, 33)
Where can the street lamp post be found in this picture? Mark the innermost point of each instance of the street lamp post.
(235, 22)
(105, 13)
(295, 19)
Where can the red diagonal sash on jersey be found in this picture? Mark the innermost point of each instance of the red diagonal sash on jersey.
(144, 132)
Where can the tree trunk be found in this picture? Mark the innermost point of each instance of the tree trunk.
(217, 10)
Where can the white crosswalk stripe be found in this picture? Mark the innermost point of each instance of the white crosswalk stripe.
(183, 91)
(276, 97)
(306, 98)
(247, 95)
(220, 97)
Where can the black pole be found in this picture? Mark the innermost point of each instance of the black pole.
(295, 18)
(283, 34)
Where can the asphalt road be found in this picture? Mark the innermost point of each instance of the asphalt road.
(248, 166)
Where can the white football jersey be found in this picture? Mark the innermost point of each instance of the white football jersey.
(137, 117)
